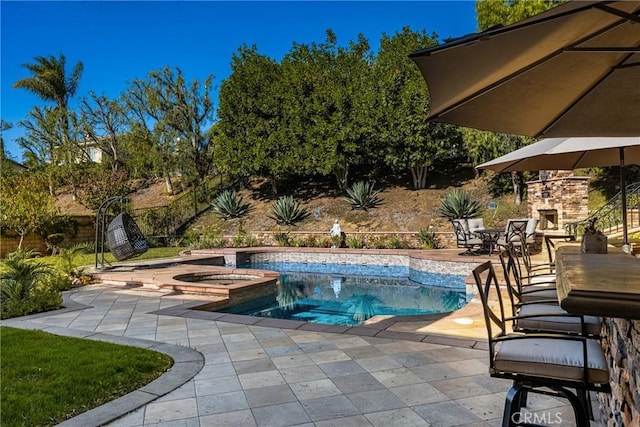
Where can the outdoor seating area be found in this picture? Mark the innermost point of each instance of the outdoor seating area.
(472, 235)
(557, 361)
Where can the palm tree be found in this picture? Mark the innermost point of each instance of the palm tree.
(50, 81)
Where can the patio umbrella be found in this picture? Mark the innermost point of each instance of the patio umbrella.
(573, 153)
(573, 70)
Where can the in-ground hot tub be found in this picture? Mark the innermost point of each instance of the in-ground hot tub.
(235, 285)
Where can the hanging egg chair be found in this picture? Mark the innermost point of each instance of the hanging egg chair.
(124, 238)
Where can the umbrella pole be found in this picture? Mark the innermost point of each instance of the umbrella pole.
(623, 194)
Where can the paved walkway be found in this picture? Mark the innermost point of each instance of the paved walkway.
(234, 374)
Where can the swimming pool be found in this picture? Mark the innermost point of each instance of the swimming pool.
(348, 294)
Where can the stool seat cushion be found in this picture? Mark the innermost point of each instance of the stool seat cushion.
(555, 319)
(552, 358)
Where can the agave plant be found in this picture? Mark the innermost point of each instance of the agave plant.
(362, 195)
(287, 211)
(458, 204)
(229, 204)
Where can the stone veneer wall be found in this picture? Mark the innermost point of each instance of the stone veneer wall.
(568, 194)
(621, 343)
(351, 258)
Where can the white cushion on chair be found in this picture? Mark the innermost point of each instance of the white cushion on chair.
(475, 224)
(552, 358)
(556, 320)
(546, 295)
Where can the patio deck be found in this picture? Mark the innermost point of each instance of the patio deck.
(228, 372)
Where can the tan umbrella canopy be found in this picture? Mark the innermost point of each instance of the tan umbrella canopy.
(573, 70)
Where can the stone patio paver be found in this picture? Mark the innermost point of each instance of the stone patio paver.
(244, 374)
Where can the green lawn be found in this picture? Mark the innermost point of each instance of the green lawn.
(46, 379)
(89, 259)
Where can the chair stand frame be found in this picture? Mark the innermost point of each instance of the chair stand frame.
(517, 396)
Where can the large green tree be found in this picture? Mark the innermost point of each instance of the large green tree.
(250, 113)
(407, 141)
(51, 144)
(104, 122)
(490, 13)
(49, 80)
(329, 94)
(25, 205)
(175, 115)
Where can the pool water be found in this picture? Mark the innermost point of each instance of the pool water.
(334, 294)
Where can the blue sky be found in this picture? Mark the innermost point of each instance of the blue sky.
(118, 41)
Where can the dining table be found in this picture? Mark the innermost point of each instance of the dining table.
(489, 238)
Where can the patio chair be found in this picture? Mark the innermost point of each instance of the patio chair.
(530, 230)
(529, 290)
(513, 231)
(550, 364)
(535, 273)
(464, 238)
(550, 243)
(124, 238)
(475, 224)
(540, 314)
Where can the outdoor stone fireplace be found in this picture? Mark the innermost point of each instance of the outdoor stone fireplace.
(557, 198)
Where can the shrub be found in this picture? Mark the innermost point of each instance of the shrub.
(208, 240)
(324, 242)
(299, 242)
(311, 241)
(282, 239)
(394, 242)
(377, 242)
(68, 264)
(355, 242)
(428, 239)
(457, 204)
(26, 286)
(362, 196)
(286, 211)
(229, 204)
(237, 241)
(251, 241)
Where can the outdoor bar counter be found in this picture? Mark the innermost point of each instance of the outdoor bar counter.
(599, 284)
(608, 285)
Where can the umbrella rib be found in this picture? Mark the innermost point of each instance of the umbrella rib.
(577, 162)
(496, 31)
(581, 97)
(613, 11)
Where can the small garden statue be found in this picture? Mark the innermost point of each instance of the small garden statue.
(337, 236)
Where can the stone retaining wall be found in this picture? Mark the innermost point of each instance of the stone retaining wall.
(621, 343)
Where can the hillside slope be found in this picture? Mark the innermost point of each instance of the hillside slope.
(402, 209)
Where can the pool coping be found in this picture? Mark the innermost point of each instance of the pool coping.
(377, 329)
